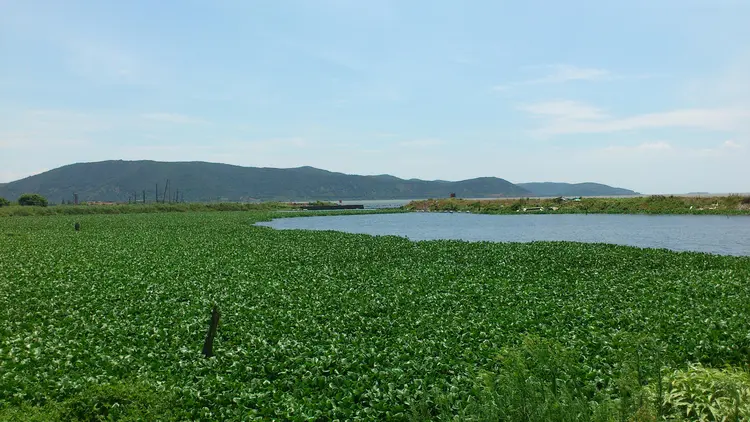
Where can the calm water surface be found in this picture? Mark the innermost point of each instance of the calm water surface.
(713, 234)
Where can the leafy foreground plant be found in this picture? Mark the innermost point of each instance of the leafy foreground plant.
(540, 380)
(122, 401)
(327, 325)
(709, 394)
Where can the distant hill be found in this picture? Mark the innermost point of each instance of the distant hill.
(574, 189)
(201, 181)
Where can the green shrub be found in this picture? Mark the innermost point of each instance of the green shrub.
(708, 394)
(32, 199)
(4, 202)
(123, 401)
(540, 380)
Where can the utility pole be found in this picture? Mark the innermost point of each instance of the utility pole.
(166, 189)
(156, 193)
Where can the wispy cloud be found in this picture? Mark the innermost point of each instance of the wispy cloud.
(233, 151)
(103, 62)
(47, 128)
(570, 117)
(669, 150)
(644, 147)
(564, 109)
(422, 143)
(7, 176)
(385, 135)
(173, 118)
(560, 73)
(731, 144)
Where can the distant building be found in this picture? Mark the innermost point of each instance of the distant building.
(453, 195)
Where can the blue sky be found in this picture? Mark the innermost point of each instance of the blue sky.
(649, 95)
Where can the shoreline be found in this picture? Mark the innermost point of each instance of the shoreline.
(650, 205)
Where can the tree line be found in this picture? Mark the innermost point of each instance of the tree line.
(27, 199)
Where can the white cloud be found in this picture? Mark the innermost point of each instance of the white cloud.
(731, 144)
(422, 143)
(564, 109)
(103, 62)
(563, 73)
(729, 86)
(173, 118)
(569, 117)
(41, 129)
(385, 135)
(658, 146)
(667, 150)
(230, 148)
(560, 73)
(7, 176)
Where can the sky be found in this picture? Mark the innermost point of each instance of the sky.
(651, 95)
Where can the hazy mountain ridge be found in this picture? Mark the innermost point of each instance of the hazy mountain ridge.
(574, 189)
(201, 181)
(119, 180)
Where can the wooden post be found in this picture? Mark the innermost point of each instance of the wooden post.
(156, 193)
(208, 346)
(77, 226)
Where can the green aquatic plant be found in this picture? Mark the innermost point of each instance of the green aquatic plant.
(328, 325)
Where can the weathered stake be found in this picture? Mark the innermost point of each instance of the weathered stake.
(77, 226)
(208, 346)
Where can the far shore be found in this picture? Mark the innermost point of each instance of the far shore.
(634, 204)
(652, 204)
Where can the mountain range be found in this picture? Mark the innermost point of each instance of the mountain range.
(574, 189)
(120, 180)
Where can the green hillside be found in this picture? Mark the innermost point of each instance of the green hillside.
(201, 181)
(574, 189)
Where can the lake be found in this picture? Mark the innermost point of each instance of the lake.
(701, 233)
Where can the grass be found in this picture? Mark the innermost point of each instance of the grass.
(657, 204)
(109, 322)
(16, 210)
(21, 211)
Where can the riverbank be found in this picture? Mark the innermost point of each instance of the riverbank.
(16, 210)
(26, 211)
(279, 209)
(656, 204)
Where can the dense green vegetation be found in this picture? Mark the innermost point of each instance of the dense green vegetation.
(110, 321)
(573, 189)
(19, 211)
(140, 209)
(656, 204)
(32, 200)
(211, 182)
(4, 202)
